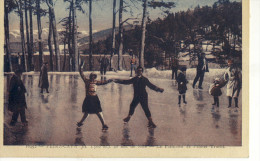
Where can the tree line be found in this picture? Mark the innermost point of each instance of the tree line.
(217, 25)
(221, 23)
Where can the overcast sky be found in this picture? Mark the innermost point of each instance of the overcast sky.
(102, 13)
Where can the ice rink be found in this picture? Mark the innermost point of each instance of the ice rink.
(52, 117)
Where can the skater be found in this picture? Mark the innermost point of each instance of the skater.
(133, 65)
(17, 102)
(43, 79)
(103, 65)
(174, 65)
(91, 104)
(215, 91)
(202, 67)
(182, 85)
(140, 95)
(233, 76)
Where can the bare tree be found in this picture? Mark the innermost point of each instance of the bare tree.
(20, 13)
(9, 7)
(144, 18)
(50, 41)
(27, 35)
(31, 32)
(39, 25)
(90, 36)
(113, 34)
(55, 34)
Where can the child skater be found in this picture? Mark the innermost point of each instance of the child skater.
(182, 87)
(91, 104)
(215, 91)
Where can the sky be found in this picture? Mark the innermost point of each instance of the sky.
(102, 13)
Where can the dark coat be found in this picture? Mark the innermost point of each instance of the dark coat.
(182, 83)
(201, 64)
(216, 90)
(17, 92)
(139, 84)
(43, 80)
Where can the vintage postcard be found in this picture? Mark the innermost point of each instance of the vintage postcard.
(124, 78)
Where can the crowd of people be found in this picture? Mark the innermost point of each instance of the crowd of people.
(91, 104)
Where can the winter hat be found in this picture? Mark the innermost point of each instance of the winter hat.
(93, 75)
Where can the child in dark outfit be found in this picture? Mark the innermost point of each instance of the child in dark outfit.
(182, 87)
(215, 91)
(140, 95)
(91, 104)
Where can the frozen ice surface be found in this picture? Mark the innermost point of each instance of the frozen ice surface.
(52, 117)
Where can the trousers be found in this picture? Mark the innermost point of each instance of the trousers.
(144, 103)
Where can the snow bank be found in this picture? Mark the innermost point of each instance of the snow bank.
(190, 74)
(149, 72)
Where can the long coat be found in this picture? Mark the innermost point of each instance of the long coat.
(43, 80)
(234, 77)
(16, 94)
(201, 62)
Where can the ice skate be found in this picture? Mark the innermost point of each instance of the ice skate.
(79, 124)
(126, 119)
(105, 127)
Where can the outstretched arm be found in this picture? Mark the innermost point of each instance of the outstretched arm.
(104, 82)
(129, 81)
(81, 71)
(153, 87)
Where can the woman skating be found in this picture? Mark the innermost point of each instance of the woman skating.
(91, 104)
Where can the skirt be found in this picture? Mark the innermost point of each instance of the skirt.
(91, 105)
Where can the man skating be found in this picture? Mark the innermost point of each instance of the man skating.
(140, 95)
(201, 69)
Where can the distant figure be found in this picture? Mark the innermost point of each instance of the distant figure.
(140, 95)
(103, 65)
(91, 104)
(234, 77)
(182, 85)
(16, 100)
(133, 65)
(215, 91)
(202, 67)
(174, 65)
(19, 59)
(43, 79)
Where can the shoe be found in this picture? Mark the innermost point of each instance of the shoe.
(229, 107)
(126, 119)
(200, 88)
(151, 124)
(105, 127)
(214, 104)
(185, 102)
(79, 124)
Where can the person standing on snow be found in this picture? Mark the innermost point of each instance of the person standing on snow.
(91, 104)
(174, 65)
(43, 79)
(16, 100)
(202, 67)
(133, 65)
(234, 77)
(140, 95)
